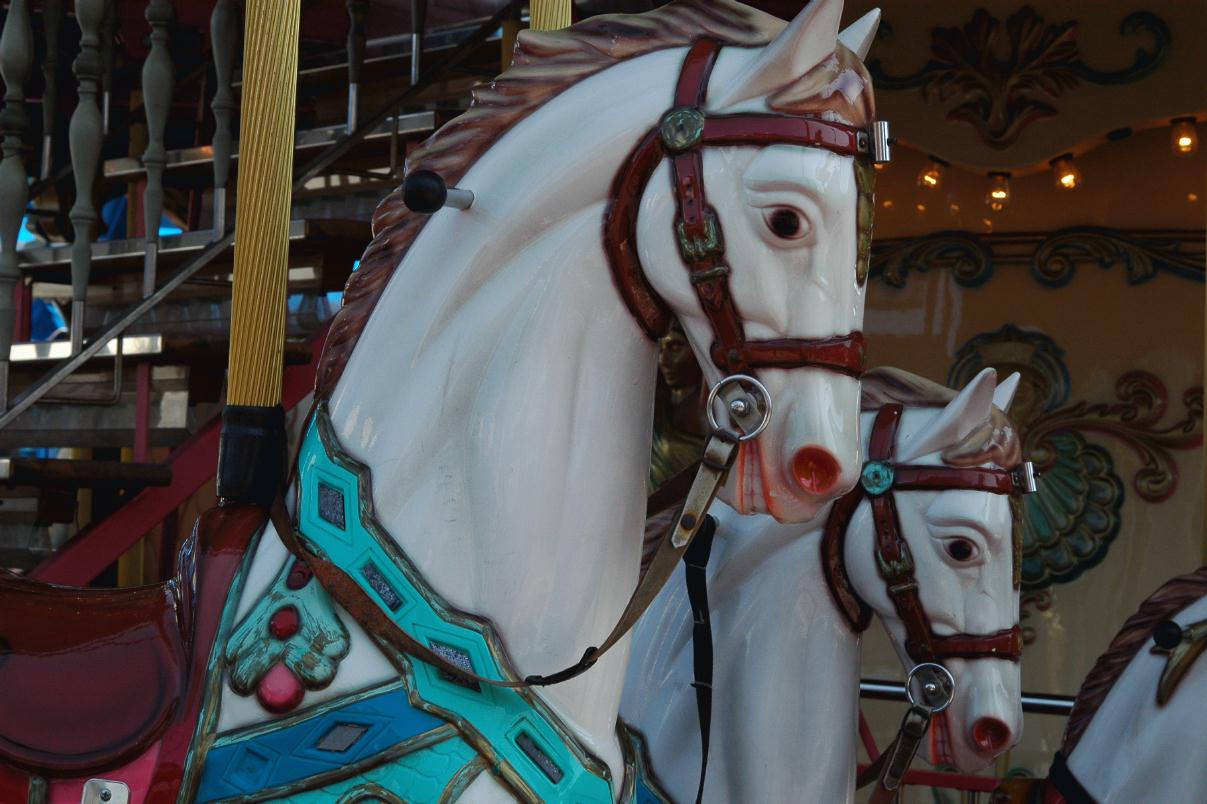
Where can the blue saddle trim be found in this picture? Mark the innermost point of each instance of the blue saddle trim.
(439, 773)
(326, 740)
(527, 745)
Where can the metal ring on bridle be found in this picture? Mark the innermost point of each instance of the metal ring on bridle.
(752, 388)
(937, 696)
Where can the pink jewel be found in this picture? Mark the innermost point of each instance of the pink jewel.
(284, 623)
(280, 690)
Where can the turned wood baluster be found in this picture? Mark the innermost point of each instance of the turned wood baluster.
(357, 9)
(108, 54)
(16, 56)
(52, 17)
(84, 136)
(157, 101)
(224, 35)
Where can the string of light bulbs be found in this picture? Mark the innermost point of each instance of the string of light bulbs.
(1184, 141)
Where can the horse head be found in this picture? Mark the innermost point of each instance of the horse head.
(789, 225)
(958, 541)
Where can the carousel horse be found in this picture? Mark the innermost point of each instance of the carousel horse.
(469, 497)
(788, 606)
(1136, 729)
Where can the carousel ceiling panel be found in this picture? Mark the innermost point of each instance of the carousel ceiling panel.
(1008, 86)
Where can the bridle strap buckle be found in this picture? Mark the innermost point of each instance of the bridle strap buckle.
(897, 572)
(710, 243)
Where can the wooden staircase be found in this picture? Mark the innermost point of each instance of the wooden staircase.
(153, 136)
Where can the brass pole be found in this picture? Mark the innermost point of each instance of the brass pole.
(549, 15)
(251, 462)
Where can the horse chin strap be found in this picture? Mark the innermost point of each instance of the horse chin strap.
(878, 482)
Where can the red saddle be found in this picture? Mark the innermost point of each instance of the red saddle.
(90, 678)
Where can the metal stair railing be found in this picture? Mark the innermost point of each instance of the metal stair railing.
(313, 168)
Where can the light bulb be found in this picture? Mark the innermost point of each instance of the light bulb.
(998, 197)
(1064, 173)
(931, 175)
(1184, 136)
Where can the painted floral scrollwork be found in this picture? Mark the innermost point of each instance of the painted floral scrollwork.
(1135, 421)
(965, 255)
(1052, 258)
(1055, 261)
(1000, 96)
(1067, 527)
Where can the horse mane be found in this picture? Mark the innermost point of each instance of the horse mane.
(545, 64)
(996, 442)
(1173, 596)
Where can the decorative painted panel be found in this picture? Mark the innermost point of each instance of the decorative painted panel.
(1000, 78)
(1052, 258)
(1068, 526)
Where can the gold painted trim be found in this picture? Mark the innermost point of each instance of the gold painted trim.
(417, 743)
(215, 676)
(370, 792)
(639, 756)
(628, 786)
(1180, 659)
(461, 779)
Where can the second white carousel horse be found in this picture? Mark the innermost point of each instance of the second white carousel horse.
(786, 604)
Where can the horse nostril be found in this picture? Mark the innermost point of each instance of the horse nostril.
(991, 735)
(815, 469)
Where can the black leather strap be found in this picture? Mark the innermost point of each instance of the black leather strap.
(695, 562)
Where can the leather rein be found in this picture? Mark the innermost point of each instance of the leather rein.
(681, 136)
(880, 479)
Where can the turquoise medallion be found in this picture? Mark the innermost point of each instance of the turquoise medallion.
(311, 644)
(877, 477)
(531, 750)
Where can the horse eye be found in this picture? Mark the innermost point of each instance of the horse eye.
(784, 222)
(961, 549)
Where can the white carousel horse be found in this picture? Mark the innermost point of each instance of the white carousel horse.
(481, 439)
(1136, 729)
(499, 394)
(786, 683)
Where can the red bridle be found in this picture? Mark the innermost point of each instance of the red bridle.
(880, 479)
(681, 136)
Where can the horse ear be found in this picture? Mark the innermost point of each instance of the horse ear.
(964, 414)
(808, 39)
(858, 36)
(1003, 395)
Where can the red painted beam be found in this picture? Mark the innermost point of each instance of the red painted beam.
(193, 465)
